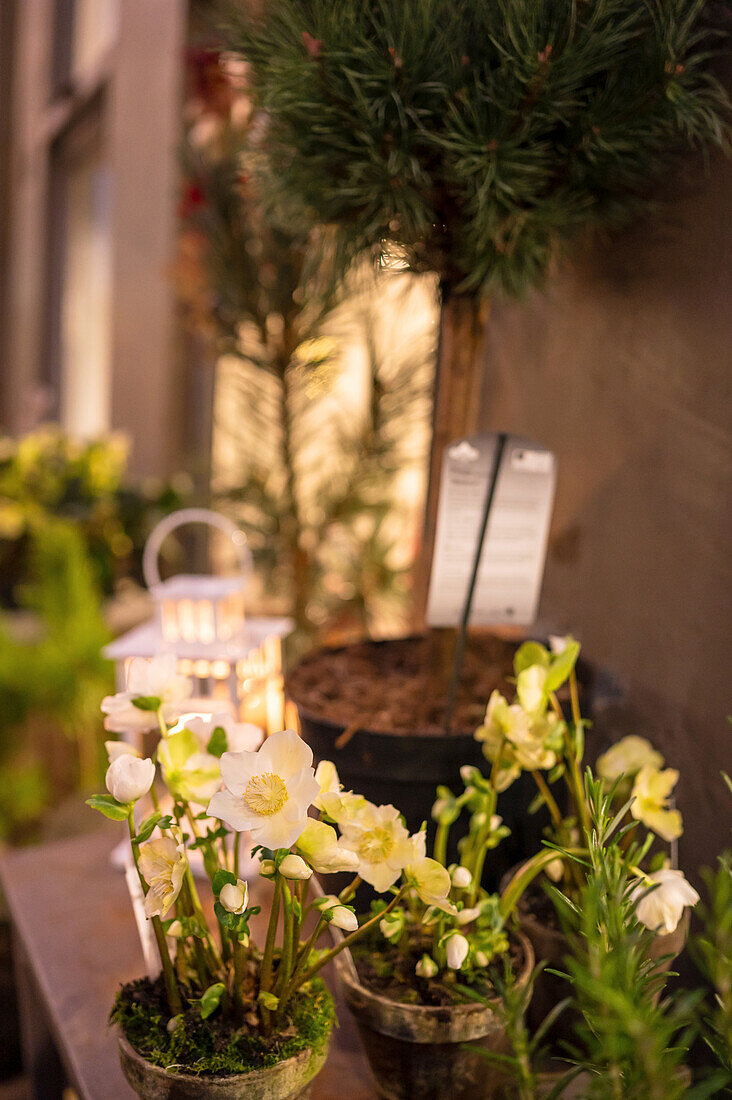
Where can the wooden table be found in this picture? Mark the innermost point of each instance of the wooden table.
(74, 943)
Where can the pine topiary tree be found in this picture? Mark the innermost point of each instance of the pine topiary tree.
(479, 136)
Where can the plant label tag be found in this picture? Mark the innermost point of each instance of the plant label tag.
(511, 567)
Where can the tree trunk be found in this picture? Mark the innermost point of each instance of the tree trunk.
(460, 357)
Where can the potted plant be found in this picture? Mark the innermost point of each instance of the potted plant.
(440, 932)
(229, 1016)
(625, 1039)
(473, 140)
(532, 735)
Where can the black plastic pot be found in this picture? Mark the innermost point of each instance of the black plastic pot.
(405, 769)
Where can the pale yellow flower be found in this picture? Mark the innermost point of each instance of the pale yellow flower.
(651, 791)
(627, 757)
(382, 844)
(319, 844)
(163, 864)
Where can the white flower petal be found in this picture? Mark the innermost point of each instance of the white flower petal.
(285, 754)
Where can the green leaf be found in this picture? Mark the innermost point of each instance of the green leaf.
(147, 702)
(224, 917)
(268, 1000)
(211, 999)
(217, 743)
(561, 666)
(222, 878)
(528, 654)
(110, 807)
(146, 827)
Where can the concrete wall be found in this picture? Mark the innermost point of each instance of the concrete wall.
(623, 368)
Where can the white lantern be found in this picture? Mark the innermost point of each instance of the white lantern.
(233, 661)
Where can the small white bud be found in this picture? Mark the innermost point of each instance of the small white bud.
(426, 967)
(295, 867)
(456, 948)
(266, 867)
(467, 916)
(129, 778)
(233, 896)
(461, 878)
(343, 918)
(481, 959)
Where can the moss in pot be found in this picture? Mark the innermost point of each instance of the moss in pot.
(237, 1010)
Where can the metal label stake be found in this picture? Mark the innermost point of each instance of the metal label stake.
(462, 636)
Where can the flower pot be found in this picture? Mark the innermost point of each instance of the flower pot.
(286, 1080)
(417, 1053)
(400, 765)
(550, 944)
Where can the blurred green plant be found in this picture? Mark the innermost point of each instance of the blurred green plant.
(522, 1064)
(314, 483)
(48, 473)
(712, 950)
(51, 681)
(634, 1035)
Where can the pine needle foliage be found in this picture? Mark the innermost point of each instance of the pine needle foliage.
(634, 1035)
(477, 134)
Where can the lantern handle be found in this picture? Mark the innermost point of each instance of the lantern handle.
(150, 555)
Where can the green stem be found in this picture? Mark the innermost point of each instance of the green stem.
(439, 848)
(548, 799)
(239, 966)
(265, 975)
(348, 941)
(348, 891)
(171, 985)
(237, 839)
(285, 967)
(527, 873)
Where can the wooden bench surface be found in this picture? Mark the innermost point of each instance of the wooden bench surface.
(75, 942)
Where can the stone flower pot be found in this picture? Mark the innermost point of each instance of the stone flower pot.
(286, 1080)
(416, 1052)
(549, 944)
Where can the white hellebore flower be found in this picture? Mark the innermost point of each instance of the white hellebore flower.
(129, 778)
(627, 757)
(157, 678)
(122, 716)
(268, 792)
(295, 867)
(332, 800)
(234, 896)
(318, 843)
(467, 916)
(116, 749)
(240, 736)
(426, 967)
(382, 844)
(661, 909)
(456, 948)
(163, 864)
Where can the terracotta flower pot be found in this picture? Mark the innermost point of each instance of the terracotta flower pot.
(286, 1080)
(550, 945)
(416, 1052)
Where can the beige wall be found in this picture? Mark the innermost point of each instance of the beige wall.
(623, 368)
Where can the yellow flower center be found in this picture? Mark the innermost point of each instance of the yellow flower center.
(266, 794)
(376, 844)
